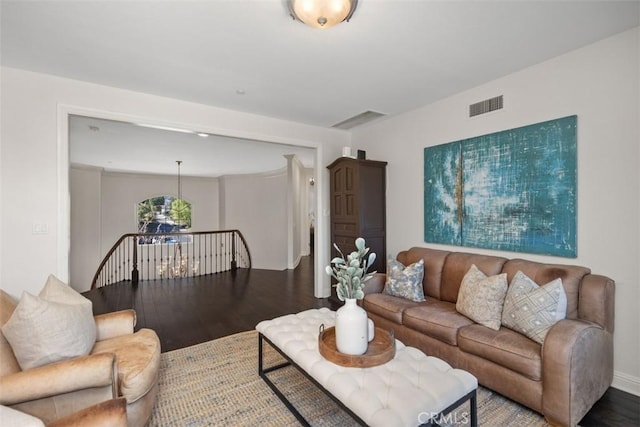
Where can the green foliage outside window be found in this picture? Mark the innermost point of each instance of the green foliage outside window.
(146, 213)
(154, 212)
(181, 212)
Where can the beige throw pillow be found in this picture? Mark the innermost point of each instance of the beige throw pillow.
(531, 309)
(56, 325)
(481, 298)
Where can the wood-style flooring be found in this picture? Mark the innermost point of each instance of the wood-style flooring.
(190, 311)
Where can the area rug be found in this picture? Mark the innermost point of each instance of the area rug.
(217, 384)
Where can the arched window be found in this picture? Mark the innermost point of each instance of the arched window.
(163, 214)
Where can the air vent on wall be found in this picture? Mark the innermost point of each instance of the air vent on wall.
(485, 106)
(358, 119)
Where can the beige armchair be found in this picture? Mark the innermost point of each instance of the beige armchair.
(110, 413)
(121, 363)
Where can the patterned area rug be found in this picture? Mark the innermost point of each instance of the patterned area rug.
(217, 383)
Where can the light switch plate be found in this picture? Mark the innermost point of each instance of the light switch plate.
(40, 228)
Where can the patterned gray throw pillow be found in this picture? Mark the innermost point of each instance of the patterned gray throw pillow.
(531, 309)
(405, 282)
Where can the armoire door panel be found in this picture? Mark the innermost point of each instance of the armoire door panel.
(358, 206)
(348, 228)
(349, 179)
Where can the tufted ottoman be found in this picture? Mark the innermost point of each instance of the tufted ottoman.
(410, 390)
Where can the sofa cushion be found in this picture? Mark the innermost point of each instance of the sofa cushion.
(387, 306)
(405, 282)
(503, 347)
(531, 309)
(138, 358)
(438, 319)
(55, 325)
(481, 298)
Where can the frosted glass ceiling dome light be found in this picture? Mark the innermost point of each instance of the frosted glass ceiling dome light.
(322, 13)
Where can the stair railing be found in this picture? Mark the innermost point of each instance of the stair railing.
(139, 257)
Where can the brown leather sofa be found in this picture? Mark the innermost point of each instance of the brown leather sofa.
(122, 363)
(560, 379)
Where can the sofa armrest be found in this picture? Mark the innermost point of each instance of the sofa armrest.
(577, 369)
(114, 324)
(97, 370)
(375, 285)
(110, 413)
(596, 301)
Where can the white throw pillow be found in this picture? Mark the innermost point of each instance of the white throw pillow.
(13, 418)
(531, 309)
(480, 298)
(56, 290)
(56, 325)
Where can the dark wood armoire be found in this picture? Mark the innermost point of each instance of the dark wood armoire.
(358, 206)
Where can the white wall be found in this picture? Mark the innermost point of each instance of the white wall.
(86, 220)
(127, 190)
(257, 206)
(599, 83)
(103, 208)
(309, 212)
(34, 182)
(266, 208)
(295, 205)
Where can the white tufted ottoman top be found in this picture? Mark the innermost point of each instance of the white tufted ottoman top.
(405, 391)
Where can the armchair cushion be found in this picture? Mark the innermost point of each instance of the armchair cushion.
(138, 358)
(42, 332)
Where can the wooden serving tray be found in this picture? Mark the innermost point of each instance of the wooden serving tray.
(380, 350)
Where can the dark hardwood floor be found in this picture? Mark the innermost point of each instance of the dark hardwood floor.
(190, 311)
(185, 312)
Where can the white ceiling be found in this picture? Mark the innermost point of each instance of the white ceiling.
(126, 147)
(392, 57)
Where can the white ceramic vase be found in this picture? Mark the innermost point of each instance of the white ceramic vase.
(351, 328)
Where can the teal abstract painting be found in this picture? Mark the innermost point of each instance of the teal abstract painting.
(513, 190)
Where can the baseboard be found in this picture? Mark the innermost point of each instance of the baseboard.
(626, 382)
(295, 263)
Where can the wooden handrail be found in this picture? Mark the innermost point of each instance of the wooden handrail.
(217, 257)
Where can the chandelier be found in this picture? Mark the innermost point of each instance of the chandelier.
(178, 265)
(322, 13)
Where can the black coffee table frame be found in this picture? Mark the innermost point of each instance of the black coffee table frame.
(262, 372)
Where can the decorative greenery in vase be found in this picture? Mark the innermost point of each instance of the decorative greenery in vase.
(351, 273)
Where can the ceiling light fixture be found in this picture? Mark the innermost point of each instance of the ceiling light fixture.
(179, 162)
(322, 13)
